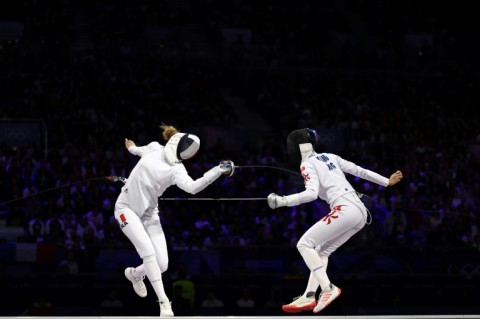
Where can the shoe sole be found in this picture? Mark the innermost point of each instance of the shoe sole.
(326, 305)
(142, 296)
(298, 309)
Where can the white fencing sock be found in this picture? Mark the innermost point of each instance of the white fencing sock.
(313, 283)
(139, 271)
(155, 276)
(312, 286)
(316, 266)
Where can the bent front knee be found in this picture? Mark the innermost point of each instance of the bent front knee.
(302, 244)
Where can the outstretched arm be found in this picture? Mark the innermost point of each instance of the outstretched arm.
(186, 183)
(312, 184)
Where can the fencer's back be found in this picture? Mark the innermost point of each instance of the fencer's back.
(331, 178)
(149, 179)
(331, 170)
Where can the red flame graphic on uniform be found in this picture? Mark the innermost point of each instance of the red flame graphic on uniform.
(332, 215)
(306, 176)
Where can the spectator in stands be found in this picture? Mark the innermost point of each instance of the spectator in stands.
(245, 303)
(55, 229)
(41, 307)
(69, 265)
(180, 305)
(211, 305)
(112, 301)
(188, 287)
(36, 229)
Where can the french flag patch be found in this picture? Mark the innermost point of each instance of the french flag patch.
(123, 221)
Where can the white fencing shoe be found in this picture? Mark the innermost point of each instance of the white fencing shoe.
(299, 304)
(138, 284)
(165, 309)
(326, 297)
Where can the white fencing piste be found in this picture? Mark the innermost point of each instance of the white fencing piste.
(274, 317)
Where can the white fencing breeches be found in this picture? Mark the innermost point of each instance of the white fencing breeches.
(145, 233)
(344, 220)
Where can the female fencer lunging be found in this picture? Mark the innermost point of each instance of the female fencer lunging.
(324, 177)
(136, 208)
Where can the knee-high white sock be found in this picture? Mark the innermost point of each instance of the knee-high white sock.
(139, 271)
(324, 261)
(316, 266)
(155, 276)
(313, 283)
(312, 286)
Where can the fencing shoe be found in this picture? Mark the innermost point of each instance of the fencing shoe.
(165, 308)
(301, 303)
(326, 297)
(138, 284)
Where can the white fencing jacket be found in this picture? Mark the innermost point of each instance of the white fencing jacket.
(152, 175)
(324, 177)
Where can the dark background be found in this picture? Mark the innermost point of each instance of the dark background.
(387, 84)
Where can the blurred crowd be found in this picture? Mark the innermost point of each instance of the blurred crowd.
(398, 80)
(95, 74)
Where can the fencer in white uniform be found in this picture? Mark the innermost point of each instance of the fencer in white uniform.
(136, 208)
(324, 177)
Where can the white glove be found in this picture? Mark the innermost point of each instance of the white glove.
(227, 167)
(275, 201)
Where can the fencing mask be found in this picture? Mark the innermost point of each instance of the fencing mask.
(181, 146)
(300, 144)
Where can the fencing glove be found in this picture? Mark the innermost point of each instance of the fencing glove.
(275, 201)
(227, 167)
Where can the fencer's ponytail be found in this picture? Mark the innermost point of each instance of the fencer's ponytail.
(168, 131)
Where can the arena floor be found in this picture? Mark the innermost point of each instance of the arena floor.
(275, 317)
